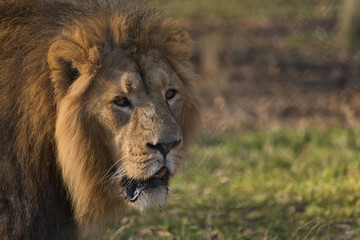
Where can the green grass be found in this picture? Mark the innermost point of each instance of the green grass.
(309, 40)
(251, 9)
(281, 184)
(296, 19)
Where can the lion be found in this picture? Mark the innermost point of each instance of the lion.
(98, 103)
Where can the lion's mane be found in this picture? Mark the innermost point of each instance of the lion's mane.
(48, 189)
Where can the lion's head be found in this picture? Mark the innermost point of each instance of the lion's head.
(126, 108)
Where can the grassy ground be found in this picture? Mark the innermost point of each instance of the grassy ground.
(250, 9)
(278, 184)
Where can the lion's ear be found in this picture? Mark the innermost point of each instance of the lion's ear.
(67, 62)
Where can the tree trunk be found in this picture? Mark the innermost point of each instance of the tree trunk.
(348, 32)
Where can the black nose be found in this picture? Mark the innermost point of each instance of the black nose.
(164, 148)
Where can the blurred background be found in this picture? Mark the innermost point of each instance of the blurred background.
(278, 153)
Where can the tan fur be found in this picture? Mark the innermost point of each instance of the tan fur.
(117, 50)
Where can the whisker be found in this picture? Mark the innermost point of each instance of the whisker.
(108, 171)
(118, 175)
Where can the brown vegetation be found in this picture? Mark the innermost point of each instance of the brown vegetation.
(260, 74)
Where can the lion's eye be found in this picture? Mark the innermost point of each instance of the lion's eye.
(122, 101)
(170, 94)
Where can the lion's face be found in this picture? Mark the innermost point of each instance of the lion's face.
(125, 112)
(139, 104)
(121, 130)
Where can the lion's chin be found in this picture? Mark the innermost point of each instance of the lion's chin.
(149, 192)
(151, 197)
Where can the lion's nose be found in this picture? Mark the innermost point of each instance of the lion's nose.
(164, 148)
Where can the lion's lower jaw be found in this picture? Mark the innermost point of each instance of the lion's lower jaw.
(151, 197)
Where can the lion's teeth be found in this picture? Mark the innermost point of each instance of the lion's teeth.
(161, 172)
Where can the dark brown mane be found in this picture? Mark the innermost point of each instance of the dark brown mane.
(27, 136)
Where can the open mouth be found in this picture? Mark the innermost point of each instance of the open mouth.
(133, 188)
